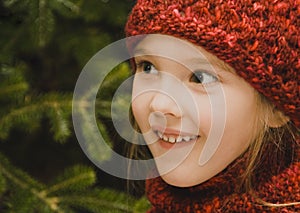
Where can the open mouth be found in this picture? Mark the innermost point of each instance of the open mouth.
(175, 138)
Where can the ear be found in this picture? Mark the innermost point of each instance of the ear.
(277, 119)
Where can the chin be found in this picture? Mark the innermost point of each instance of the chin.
(180, 181)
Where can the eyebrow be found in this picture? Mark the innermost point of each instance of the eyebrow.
(213, 62)
(146, 52)
(141, 52)
(202, 61)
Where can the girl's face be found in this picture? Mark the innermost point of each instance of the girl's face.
(196, 114)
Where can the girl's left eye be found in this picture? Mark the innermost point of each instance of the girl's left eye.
(146, 67)
(202, 77)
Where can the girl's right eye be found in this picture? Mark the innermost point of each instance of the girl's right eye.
(146, 67)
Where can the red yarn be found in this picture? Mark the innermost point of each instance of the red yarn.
(219, 194)
(259, 39)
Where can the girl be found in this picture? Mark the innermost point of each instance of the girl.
(216, 96)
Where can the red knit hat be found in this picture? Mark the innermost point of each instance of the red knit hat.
(259, 39)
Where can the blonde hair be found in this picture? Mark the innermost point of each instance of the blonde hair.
(282, 140)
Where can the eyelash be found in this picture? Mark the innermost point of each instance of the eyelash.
(197, 79)
(141, 66)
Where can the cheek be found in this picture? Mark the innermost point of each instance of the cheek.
(241, 120)
(140, 109)
(243, 111)
(137, 106)
(203, 118)
(138, 101)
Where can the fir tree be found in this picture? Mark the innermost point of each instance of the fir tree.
(44, 45)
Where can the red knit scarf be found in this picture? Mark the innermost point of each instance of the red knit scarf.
(220, 194)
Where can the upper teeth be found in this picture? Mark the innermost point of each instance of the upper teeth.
(172, 139)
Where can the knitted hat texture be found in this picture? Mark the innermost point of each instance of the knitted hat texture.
(259, 39)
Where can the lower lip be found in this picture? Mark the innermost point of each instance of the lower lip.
(167, 145)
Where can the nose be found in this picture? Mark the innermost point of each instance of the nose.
(165, 104)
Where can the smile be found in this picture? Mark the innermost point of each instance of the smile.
(175, 139)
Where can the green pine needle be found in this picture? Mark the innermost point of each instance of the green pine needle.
(32, 39)
(69, 5)
(101, 200)
(13, 85)
(141, 205)
(17, 177)
(27, 115)
(2, 184)
(76, 178)
(24, 192)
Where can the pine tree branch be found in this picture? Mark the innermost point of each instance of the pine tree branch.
(98, 152)
(32, 112)
(8, 3)
(51, 202)
(13, 39)
(71, 181)
(70, 5)
(81, 200)
(34, 107)
(13, 89)
(107, 200)
(44, 23)
(12, 178)
(94, 200)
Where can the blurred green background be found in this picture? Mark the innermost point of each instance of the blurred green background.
(44, 46)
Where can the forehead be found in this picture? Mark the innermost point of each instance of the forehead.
(167, 46)
(178, 50)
